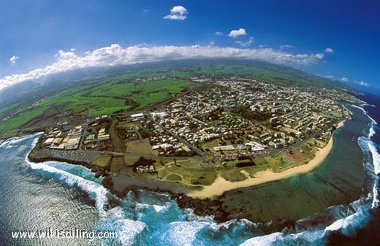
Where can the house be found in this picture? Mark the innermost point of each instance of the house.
(159, 115)
(136, 116)
(224, 148)
(48, 141)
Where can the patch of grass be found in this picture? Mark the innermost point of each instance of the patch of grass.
(20, 119)
(118, 144)
(173, 177)
(107, 111)
(193, 176)
(103, 160)
(233, 175)
(140, 146)
(117, 164)
(130, 160)
(8, 109)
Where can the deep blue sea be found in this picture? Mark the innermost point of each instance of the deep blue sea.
(64, 196)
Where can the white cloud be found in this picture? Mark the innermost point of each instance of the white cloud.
(329, 50)
(333, 77)
(237, 33)
(116, 55)
(177, 13)
(212, 43)
(320, 56)
(286, 46)
(362, 83)
(62, 55)
(329, 76)
(13, 59)
(219, 33)
(245, 43)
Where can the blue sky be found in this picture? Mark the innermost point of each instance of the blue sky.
(32, 32)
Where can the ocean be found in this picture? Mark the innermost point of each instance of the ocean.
(336, 204)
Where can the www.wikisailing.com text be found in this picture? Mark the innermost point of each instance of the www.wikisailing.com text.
(75, 233)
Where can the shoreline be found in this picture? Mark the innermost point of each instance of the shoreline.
(211, 205)
(217, 188)
(221, 185)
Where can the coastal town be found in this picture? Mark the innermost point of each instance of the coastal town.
(224, 119)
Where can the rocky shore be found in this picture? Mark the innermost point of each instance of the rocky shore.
(121, 183)
(39, 154)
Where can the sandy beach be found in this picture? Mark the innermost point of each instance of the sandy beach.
(221, 185)
(340, 124)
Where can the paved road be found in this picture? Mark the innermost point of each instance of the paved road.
(136, 154)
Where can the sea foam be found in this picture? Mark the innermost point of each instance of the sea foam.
(263, 240)
(96, 191)
(365, 112)
(371, 131)
(182, 233)
(127, 229)
(375, 157)
(113, 219)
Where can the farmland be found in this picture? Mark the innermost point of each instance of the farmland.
(104, 98)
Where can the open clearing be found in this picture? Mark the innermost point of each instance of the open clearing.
(140, 146)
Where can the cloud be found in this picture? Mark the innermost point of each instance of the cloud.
(333, 77)
(237, 33)
(329, 50)
(177, 13)
(329, 76)
(145, 12)
(13, 59)
(286, 46)
(114, 55)
(320, 56)
(245, 43)
(345, 79)
(62, 55)
(362, 83)
(218, 33)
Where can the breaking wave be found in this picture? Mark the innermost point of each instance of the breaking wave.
(76, 176)
(366, 113)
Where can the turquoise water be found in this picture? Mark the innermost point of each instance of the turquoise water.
(60, 195)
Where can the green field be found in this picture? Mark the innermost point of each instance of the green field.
(102, 98)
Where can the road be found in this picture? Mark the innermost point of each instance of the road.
(148, 156)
